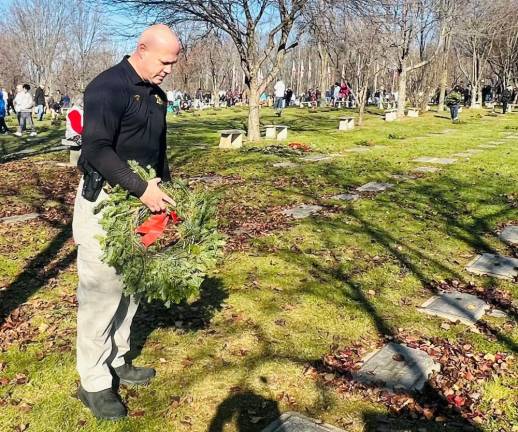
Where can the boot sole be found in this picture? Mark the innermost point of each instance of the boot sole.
(85, 403)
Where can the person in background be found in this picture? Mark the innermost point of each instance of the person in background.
(3, 127)
(5, 97)
(65, 101)
(336, 93)
(506, 98)
(287, 96)
(453, 101)
(279, 89)
(39, 102)
(23, 103)
(10, 103)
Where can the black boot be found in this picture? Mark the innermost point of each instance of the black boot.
(131, 375)
(104, 404)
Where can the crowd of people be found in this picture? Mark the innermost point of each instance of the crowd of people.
(462, 96)
(182, 101)
(27, 106)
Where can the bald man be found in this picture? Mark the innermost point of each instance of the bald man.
(124, 119)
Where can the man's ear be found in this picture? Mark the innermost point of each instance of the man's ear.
(141, 49)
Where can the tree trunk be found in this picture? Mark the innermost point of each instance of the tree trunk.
(324, 62)
(254, 133)
(401, 92)
(427, 95)
(215, 91)
(362, 98)
(215, 97)
(474, 95)
(442, 89)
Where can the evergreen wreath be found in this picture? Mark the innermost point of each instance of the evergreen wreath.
(168, 266)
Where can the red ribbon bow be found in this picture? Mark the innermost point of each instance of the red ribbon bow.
(155, 225)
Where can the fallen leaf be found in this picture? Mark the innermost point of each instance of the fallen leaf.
(24, 407)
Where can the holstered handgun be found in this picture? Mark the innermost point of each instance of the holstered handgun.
(93, 182)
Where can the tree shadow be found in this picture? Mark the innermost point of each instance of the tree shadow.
(11, 150)
(37, 273)
(248, 410)
(184, 316)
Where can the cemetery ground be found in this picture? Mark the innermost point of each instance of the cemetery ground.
(296, 303)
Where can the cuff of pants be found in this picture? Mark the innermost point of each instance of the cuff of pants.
(97, 384)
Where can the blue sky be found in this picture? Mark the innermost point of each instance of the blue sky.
(117, 20)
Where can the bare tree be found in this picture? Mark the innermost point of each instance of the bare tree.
(365, 57)
(319, 20)
(12, 63)
(410, 27)
(243, 21)
(504, 56)
(475, 40)
(85, 36)
(39, 26)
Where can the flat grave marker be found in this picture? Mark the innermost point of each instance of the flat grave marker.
(302, 211)
(426, 169)
(498, 266)
(357, 150)
(464, 155)
(445, 161)
(456, 306)
(474, 151)
(19, 218)
(285, 165)
(425, 159)
(487, 146)
(397, 367)
(295, 422)
(403, 177)
(316, 158)
(436, 160)
(375, 187)
(346, 197)
(510, 234)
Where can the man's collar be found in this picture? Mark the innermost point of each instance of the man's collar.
(132, 73)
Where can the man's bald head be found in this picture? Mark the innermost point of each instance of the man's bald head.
(157, 50)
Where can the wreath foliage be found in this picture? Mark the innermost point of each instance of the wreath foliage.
(174, 266)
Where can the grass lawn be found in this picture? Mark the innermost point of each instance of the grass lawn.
(287, 292)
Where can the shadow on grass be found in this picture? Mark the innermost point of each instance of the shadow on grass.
(10, 147)
(50, 261)
(189, 317)
(442, 203)
(37, 273)
(248, 410)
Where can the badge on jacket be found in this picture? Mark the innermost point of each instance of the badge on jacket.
(159, 100)
(136, 98)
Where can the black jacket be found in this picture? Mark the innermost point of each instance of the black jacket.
(507, 95)
(39, 97)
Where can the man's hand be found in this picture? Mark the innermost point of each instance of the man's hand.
(154, 198)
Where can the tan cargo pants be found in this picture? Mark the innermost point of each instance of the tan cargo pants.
(104, 315)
